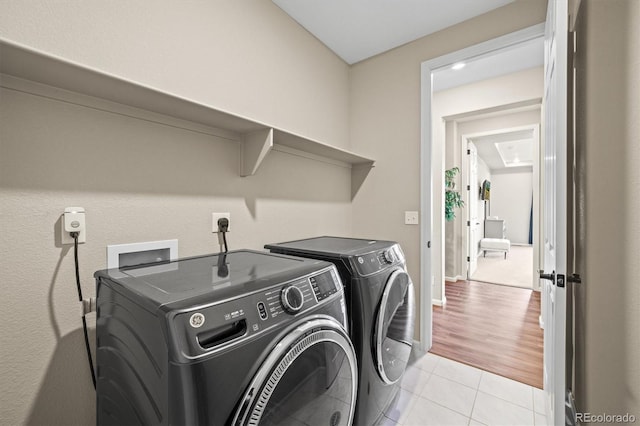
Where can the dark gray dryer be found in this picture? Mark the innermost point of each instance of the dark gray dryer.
(381, 312)
(243, 338)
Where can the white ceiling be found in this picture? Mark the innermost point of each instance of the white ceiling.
(505, 61)
(358, 29)
(516, 144)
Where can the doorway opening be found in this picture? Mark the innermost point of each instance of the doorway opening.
(495, 239)
(451, 127)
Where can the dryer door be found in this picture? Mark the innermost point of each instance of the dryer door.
(394, 327)
(309, 379)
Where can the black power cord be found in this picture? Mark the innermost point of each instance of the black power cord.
(224, 239)
(223, 227)
(74, 235)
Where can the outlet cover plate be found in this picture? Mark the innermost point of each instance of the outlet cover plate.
(411, 218)
(68, 215)
(214, 221)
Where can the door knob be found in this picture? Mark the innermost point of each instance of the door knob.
(574, 278)
(550, 277)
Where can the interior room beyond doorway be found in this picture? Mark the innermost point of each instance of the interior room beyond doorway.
(492, 238)
(514, 271)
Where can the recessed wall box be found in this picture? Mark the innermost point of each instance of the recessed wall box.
(122, 255)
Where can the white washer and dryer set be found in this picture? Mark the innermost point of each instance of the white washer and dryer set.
(318, 332)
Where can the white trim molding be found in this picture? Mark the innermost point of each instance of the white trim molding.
(439, 302)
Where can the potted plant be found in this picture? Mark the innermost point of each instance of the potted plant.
(452, 198)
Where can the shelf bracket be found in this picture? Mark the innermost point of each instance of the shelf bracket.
(255, 147)
(359, 173)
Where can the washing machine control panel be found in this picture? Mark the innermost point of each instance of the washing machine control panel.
(325, 284)
(373, 262)
(292, 299)
(222, 325)
(289, 299)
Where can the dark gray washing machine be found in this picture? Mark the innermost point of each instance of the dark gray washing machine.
(381, 309)
(243, 338)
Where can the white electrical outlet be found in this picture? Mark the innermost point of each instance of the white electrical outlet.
(410, 218)
(214, 222)
(73, 220)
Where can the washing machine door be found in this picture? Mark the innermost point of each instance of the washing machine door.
(310, 378)
(394, 327)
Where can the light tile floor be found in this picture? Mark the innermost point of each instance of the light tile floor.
(439, 391)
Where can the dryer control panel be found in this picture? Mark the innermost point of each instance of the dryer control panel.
(370, 263)
(222, 325)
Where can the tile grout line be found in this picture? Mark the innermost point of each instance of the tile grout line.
(416, 397)
(506, 400)
(448, 408)
(456, 382)
(533, 404)
(406, 409)
(475, 398)
(444, 406)
(412, 392)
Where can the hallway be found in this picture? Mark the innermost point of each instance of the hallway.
(491, 327)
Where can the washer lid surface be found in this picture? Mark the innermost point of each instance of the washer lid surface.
(332, 245)
(217, 276)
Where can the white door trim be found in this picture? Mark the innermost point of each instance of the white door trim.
(429, 221)
(555, 212)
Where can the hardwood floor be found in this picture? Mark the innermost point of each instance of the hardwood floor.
(492, 327)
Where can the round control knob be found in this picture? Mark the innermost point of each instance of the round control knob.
(389, 256)
(292, 299)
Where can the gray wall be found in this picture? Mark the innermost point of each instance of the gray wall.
(608, 230)
(142, 180)
(385, 124)
(246, 57)
(511, 199)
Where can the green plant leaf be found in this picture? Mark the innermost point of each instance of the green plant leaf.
(452, 198)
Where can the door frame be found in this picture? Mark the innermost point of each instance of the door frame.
(433, 225)
(537, 221)
(556, 208)
(469, 191)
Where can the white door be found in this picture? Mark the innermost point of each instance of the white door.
(555, 209)
(472, 200)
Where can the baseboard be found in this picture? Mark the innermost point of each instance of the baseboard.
(541, 322)
(439, 302)
(454, 279)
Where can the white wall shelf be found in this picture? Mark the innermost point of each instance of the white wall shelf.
(257, 138)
